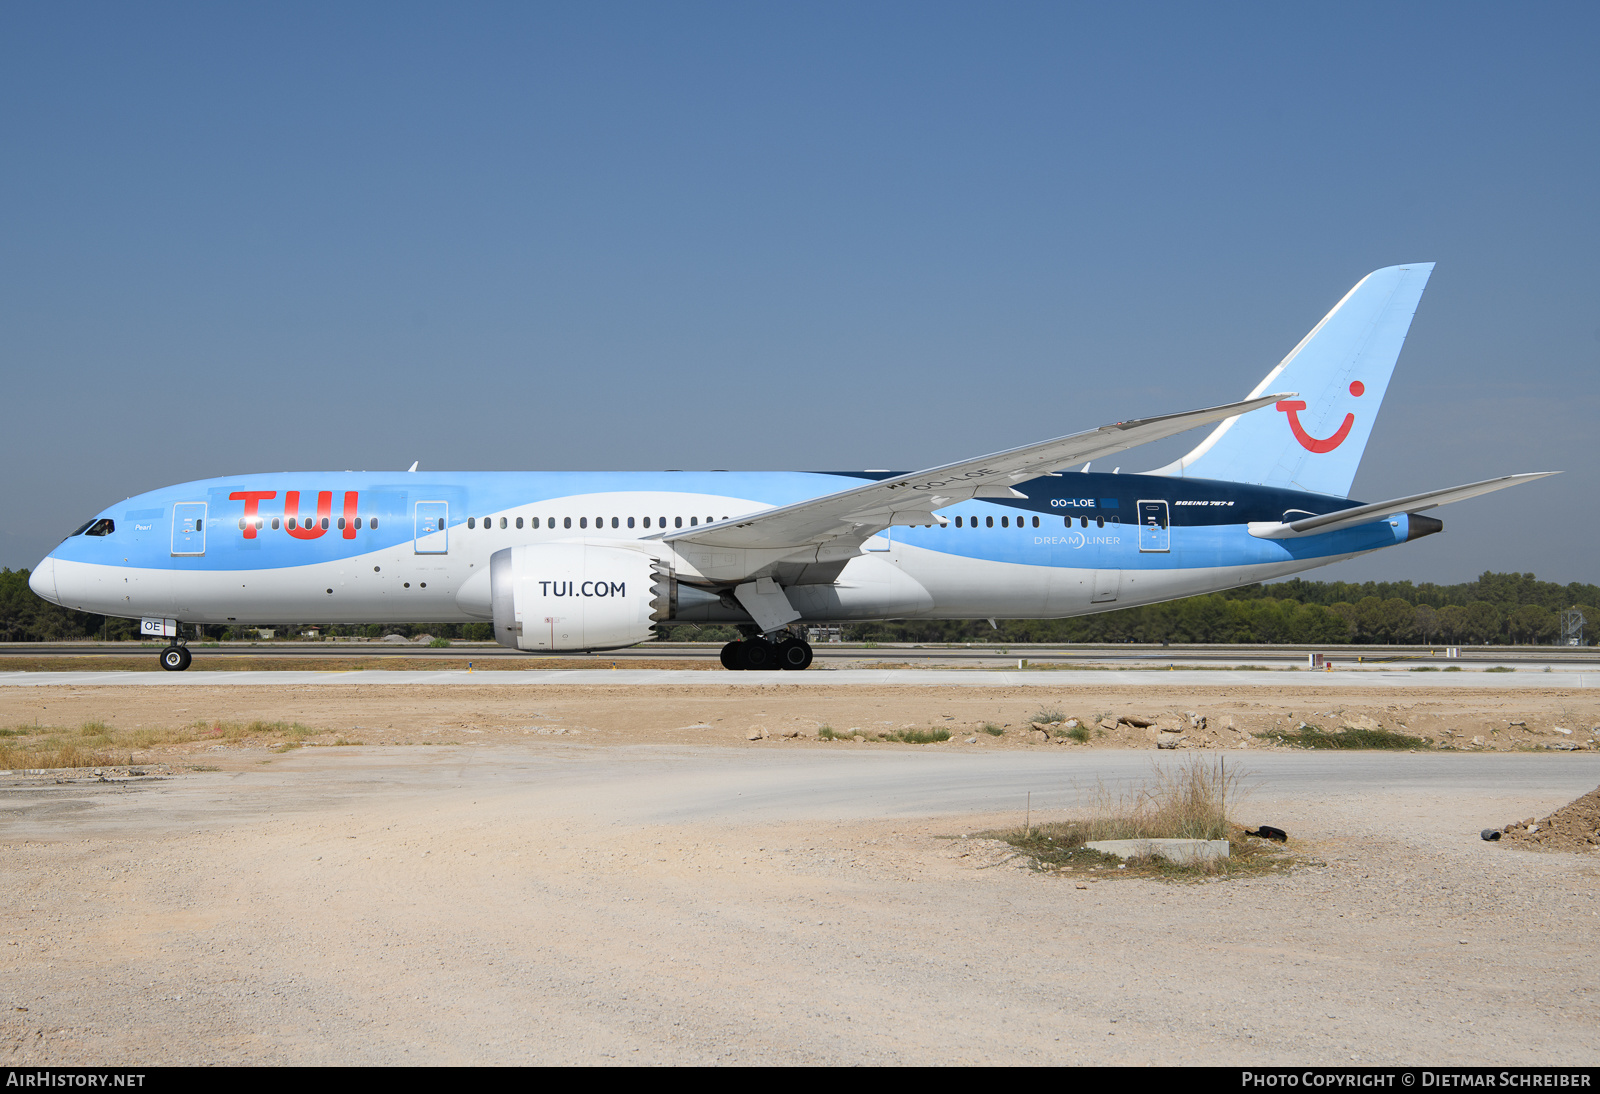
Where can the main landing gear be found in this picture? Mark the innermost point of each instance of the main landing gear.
(758, 654)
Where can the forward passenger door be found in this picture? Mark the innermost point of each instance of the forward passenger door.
(431, 535)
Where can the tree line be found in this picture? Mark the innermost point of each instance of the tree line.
(1496, 609)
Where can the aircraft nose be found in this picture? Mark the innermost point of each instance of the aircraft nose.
(43, 579)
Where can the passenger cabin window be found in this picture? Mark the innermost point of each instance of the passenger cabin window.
(566, 522)
(614, 522)
(988, 522)
(519, 522)
(647, 522)
(534, 522)
(630, 521)
(694, 521)
(472, 522)
(583, 522)
(677, 522)
(102, 527)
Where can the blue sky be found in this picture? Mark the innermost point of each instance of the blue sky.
(636, 236)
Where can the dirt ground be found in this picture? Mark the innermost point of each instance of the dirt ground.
(622, 875)
(792, 715)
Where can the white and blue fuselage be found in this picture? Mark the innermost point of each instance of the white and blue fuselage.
(357, 547)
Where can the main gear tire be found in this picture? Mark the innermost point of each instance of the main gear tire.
(794, 654)
(731, 659)
(759, 655)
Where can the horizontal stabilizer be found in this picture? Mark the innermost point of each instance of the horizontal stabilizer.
(1365, 514)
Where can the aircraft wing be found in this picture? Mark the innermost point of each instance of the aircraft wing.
(852, 516)
(1365, 514)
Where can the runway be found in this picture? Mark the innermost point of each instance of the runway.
(1352, 679)
(977, 655)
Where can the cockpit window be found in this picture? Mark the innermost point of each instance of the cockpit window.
(80, 529)
(102, 527)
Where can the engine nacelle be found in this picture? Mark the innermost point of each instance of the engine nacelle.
(576, 596)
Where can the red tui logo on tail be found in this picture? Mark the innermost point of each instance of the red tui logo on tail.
(1293, 407)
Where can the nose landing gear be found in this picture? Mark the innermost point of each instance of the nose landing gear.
(175, 658)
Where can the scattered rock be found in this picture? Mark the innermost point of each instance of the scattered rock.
(1135, 721)
(1490, 834)
(757, 733)
(1108, 724)
(1168, 740)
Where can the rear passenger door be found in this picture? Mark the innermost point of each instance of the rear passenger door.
(1154, 531)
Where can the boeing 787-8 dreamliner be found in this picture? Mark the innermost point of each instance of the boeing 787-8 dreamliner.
(564, 561)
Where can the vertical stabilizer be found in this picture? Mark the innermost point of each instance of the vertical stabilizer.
(1341, 370)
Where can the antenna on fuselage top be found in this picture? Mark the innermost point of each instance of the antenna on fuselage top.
(413, 466)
